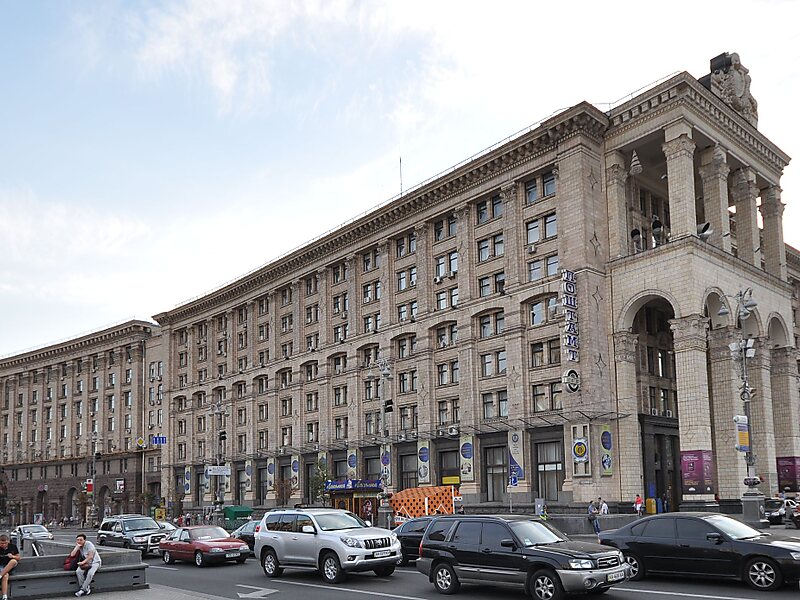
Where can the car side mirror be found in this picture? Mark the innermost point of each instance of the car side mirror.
(369, 523)
(508, 544)
(309, 529)
(714, 537)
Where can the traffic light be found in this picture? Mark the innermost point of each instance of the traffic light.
(388, 405)
(223, 435)
(97, 455)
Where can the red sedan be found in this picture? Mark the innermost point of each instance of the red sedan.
(202, 544)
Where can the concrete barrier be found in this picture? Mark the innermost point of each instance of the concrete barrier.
(44, 576)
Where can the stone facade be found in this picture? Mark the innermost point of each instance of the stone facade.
(544, 306)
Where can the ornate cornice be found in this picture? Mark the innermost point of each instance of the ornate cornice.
(616, 175)
(124, 333)
(681, 145)
(583, 119)
(690, 333)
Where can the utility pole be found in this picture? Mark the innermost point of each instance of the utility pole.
(221, 413)
(387, 407)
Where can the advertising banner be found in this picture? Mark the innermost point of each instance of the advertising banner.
(697, 471)
(386, 464)
(187, 482)
(742, 433)
(270, 474)
(423, 461)
(352, 462)
(466, 452)
(295, 472)
(516, 455)
(788, 473)
(248, 471)
(606, 448)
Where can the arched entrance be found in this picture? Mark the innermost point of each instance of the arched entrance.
(41, 505)
(71, 505)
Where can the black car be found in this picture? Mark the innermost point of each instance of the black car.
(137, 532)
(410, 535)
(706, 545)
(247, 533)
(515, 549)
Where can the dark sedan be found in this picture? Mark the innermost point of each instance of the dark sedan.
(247, 533)
(706, 545)
(410, 535)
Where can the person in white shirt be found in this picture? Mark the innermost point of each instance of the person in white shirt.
(88, 564)
(603, 506)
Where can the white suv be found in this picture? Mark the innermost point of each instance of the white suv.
(333, 541)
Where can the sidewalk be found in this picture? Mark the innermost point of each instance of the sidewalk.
(154, 592)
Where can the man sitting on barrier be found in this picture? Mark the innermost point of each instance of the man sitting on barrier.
(87, 566)
(9, 557)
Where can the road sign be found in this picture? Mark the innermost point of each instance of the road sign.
(140, 442)
(218, 470)
(513, 481)
(89, 486)
(159, 440)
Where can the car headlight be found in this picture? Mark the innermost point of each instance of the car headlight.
(244, 548)
(581, 564)
(139, 539)
(217, 550)
(351, 542)
(393, 537)
(795, 555)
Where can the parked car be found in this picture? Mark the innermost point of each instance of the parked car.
(706, 545)
(777, 509)
(410, 535)
(202, 544)
(136, 532)
(247, 533)
(335, 542)
(32, 532)
(515, 549)
(794, 517)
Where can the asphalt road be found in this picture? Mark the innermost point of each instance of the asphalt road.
(248, 581)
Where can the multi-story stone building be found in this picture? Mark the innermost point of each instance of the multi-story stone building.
(550, 304)
(68, 409)
(559, 309)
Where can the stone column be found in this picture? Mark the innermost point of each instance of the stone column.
(785, 403)
(679, 151)
(422, 231)
(744, 193)
(725, 384)
(714, 173)
(616, 180)
(694, 410)
(512, 233)
(772, 214)
(762, 418)
(629, 439)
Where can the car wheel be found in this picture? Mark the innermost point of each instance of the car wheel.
(403, 559)
(636, 567)
(444, 579)
(763, 574)
(269, 562)
(331, 568)
(166, 556)
(545, 585)
(198, 559)
(384, 571)
(101, 541)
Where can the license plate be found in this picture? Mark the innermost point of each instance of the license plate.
(382, 553)
(616, 576)
(232, 555)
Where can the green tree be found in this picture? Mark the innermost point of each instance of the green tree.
(316, 484)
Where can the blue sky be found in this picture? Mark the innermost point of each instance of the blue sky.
(141, 140)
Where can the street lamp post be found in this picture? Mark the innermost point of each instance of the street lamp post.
(220, 412)
(93, 508)
(387, 407)
(752, 500)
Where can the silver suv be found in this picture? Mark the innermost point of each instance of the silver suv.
(335, 542)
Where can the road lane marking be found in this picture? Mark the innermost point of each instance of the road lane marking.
(683, 594)
(351, 590)
(259, 592)
(165, 568)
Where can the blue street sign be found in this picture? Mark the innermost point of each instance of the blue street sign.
(159, 440)
(513, 481)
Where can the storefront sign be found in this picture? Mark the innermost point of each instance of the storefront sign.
(569, 300)
(606, 446)
(516, 455)
(697, 471)
(465, 454)
(742, 433)
(423, 462)
(352, 462)
(580, 450)
(571, 381)
(789, 473)
(354, 485)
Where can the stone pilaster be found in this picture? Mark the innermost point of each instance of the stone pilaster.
(616, 181)
(694, 410)
(714, 174)
(725, 383)
(628, 434)
(774, 249)
(515, 273)
(762, 416)
(465, 234)
(422, 231)
(785, 401)
(744, 192)
(680, 176)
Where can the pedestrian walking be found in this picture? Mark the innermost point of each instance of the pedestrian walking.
(638, 505)
(9, 557)
(87, 565)
(593, 511)
(603, 506)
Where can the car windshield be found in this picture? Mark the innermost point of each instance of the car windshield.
(732, 528)
(773, 504)
(337, 521)
(34, 529)
(139, 524)
(208, 533)
(535, 533)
